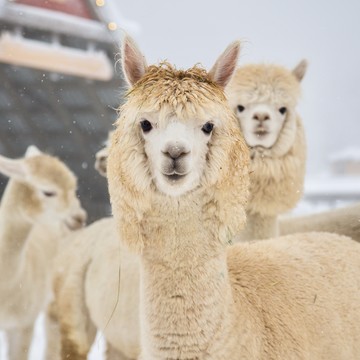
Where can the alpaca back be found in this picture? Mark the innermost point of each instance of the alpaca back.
(344, 221)
(301, 295)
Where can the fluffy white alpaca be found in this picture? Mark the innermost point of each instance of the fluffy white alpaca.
(38, 208)
(85, 302)
(264, 99)
(344, 221)
(89, 307)
(178, 181)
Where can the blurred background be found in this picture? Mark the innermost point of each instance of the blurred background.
(60, 84)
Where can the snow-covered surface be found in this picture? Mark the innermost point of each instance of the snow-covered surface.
(92, 64)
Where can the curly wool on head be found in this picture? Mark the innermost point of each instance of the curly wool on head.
(181, 92)
(266, 83)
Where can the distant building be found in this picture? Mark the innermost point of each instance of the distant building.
(59, 87)
(346, 162)
(338, 186)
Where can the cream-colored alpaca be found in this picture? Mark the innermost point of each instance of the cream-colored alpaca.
(178, 200)
(89, 307)
(344, 221)
(264, 98)
(85, 302)
(38, 208)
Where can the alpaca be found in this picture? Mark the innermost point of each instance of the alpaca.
(178, 173)
(264, 98)
(88, 306)
(81, 297)
(84, 302)
(39, 207)
(345, 221)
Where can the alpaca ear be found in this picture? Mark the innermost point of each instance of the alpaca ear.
(31, 151)
(300, 69)
(15, 169)
(225, 65)
(133, 62)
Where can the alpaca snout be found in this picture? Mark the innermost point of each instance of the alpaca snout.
(174, 166)
(261, 116)
(78, 220)
(175, 151)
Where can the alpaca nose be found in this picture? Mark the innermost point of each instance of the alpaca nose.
(175, 151)
(101, 164)
(261, 116)
(79, 219)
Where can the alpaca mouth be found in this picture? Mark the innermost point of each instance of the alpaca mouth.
(175, 177)
(261, 132)
(75, 224)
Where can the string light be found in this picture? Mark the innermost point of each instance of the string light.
(112, 26)
(100, 2)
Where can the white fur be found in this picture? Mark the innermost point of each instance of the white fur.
(32, 226)
(188, 139)
(259, 132)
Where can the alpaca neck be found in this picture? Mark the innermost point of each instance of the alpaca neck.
(259, 227)
(14, 230)
(186, 294)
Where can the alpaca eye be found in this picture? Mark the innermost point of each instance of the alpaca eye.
(240, 108)
(207, 128)
(49, 193)
(282, 110)
(145, 126)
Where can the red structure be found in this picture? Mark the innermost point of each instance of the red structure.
(78, 8)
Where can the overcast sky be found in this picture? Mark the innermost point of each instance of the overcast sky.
(326, 32)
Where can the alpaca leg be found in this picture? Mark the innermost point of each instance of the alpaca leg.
(113, 354)
(19, 342)
(70, 350)
(53, 337)
(76, 346)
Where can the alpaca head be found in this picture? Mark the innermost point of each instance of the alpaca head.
(176, 135)
(46, 190)
(264, 98)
